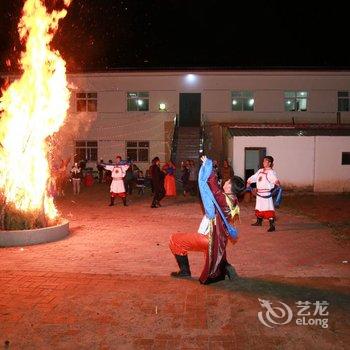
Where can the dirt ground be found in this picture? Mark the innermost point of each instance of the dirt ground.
(332, 210)
(107, 285)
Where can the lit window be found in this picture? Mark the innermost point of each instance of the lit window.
(242, 101)
(295, 101)
(85, 150)
(137, 101)
(343, 101)
(138, 151)
(86, 101)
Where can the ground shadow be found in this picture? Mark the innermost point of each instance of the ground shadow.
(290, 288)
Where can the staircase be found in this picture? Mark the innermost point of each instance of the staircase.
(188, 143)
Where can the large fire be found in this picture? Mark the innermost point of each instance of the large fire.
(32, 108)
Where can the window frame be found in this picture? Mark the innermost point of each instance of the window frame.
(87, 149)
(343, 98)
(137, 97)
(243, 97)
(345, 155)
(86, 98)
(295, 100)
(138, 148)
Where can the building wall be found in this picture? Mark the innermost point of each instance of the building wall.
(112, 125)
(330, 175)
(301, 162)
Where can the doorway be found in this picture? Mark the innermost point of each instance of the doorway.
(253, 160)
(190, 109)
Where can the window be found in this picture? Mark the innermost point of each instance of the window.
(86, 101)
(242, 101)
(138, 151)
(295, 101)
(343, 101)
(85, 150)
(138, 101)
(345, 158)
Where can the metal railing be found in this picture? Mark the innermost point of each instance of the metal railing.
(202, 137)
(174, 139)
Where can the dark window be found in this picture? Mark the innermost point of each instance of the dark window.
(137, 151)
(86, 101)
(343, 101)
(86, 150)
(345, 158)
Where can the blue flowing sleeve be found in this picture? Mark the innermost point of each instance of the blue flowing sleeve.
(204, 173)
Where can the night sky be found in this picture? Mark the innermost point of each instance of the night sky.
(107, 34)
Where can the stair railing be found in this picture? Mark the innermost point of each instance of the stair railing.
(202, 136)
(174, 139)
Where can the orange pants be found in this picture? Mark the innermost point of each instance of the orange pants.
(182, 243)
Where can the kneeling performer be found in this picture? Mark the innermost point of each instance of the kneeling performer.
(212, 235)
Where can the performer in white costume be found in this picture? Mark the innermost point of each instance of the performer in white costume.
(117, 186)
(265, 179)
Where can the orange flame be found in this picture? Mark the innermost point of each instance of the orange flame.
(33, 108)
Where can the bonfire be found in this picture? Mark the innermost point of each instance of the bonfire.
(32, 109)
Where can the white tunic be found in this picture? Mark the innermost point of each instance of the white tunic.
(118, 174)
(265, 181)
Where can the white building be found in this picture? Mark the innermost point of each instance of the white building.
(301, 118)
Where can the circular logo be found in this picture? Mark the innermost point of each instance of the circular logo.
(274, 315)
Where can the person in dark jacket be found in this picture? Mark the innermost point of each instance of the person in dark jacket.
(157, 182)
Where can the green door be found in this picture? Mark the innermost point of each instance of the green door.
(190, 109)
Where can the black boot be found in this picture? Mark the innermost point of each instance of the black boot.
(124, 201)
(230, 272)
(154, 203)
(112, 202)
(272, 227)
(182, 261)
(258, 222)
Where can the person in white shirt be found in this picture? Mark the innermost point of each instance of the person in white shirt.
(117, 186)
(265, 179)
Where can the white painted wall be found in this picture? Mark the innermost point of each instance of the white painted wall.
(301, 161)
(294, 157)
(112, 125)
(330, 174)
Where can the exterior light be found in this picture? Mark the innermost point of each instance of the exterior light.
(162, 106)
(191, 78)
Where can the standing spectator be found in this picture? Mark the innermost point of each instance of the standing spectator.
(226, 172)
(100, 169)
(192, 179)
(129, 179)
(108, 173)
(185, 168)
(158, 183)
(61, 176)
(76, 176)
(216, 169)
(148, 179)
(169, 181)
(140, 182)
